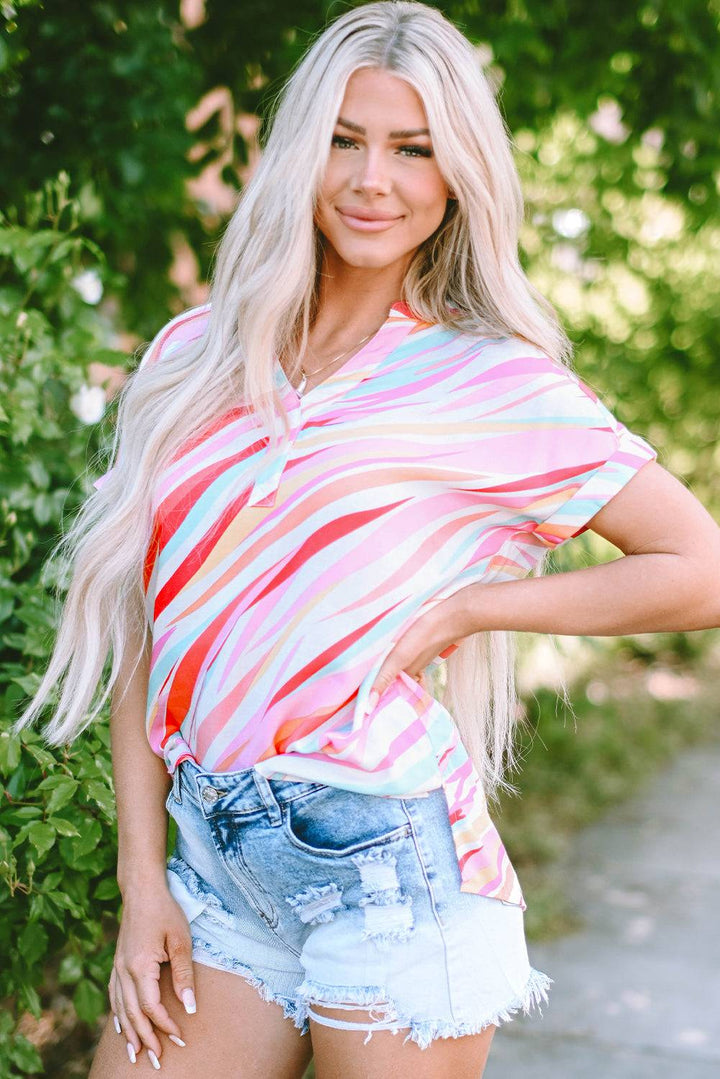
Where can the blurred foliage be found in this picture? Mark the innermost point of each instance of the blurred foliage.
(101, 90)
(614, 111)
(638, 288)
(658, 60)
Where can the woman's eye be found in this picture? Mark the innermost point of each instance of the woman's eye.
(418, 151)
(414, 151)
(341, 138)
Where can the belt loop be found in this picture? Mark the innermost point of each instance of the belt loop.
(177, 795)
(269, 799)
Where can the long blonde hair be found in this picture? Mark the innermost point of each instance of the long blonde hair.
(263, 298)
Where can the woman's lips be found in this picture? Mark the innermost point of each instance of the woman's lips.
(362, 225)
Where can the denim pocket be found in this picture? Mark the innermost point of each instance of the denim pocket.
(333, 822)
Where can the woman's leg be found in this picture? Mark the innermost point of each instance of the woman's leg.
(234, 1032)
(341, 1054)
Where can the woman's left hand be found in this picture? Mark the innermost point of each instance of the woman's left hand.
(436, 633)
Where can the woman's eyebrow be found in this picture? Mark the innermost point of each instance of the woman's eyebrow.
(409, 133)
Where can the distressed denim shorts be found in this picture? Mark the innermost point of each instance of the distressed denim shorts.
(319, 895)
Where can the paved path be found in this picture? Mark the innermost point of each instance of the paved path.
(636, 992)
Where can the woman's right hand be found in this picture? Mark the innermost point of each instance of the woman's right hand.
(153, 930)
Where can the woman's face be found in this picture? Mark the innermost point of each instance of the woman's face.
(375, 169)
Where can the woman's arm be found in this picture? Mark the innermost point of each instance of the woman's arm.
(141, 780)
(669, 579)
(154, 929)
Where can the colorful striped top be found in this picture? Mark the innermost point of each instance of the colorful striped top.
(431, 460)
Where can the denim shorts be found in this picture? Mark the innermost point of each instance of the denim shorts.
(319, 895)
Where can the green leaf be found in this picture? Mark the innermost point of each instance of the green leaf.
(31, 999)
(107, 889)
(63, 793)
(63, 249)
(62, 901)
(51, 782)
(42, 836)
(17, 781)
(24, 1054)
(63, 826)
(44, 759)
(102, 795)
(89, 840)
(28, 684)
(71, 970)
(43, 508)
(38, 473)
(33, 942)
(10, 749)
(89, 1002)
(26, 812)
(51, 881)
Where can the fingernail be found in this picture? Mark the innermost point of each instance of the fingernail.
(154, 1060)
(116, 1021)
(174, 1038)
(188, 998)
(372, 700)
(131, 1052)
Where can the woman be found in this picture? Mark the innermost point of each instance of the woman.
(336, 871)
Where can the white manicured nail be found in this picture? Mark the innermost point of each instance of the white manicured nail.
(131, 1052)
(189, 1001)
(154, 1060)
(116, 1021)
(174, 1038)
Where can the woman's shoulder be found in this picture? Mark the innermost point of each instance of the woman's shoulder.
(187, 326)
(526, 373)
(512, 351)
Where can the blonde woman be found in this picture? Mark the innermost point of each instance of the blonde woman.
(334, 475)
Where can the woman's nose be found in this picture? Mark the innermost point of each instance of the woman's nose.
(371, 174)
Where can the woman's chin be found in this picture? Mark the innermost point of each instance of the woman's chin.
(361, 257)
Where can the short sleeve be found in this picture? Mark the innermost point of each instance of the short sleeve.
(579, 455)
(181, 329)
(185, 327)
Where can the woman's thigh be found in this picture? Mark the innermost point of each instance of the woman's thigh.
(234, 1032)
(341, 1054)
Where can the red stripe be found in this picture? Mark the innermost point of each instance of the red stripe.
(186, 674)
(337, 529)
(325, 658)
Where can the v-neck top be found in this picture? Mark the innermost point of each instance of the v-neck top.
(431, 460)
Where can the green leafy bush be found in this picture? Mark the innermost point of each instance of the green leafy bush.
(102, 90)
(57, 817)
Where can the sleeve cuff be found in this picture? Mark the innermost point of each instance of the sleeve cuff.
(571, 517)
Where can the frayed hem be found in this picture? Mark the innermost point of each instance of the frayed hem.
(293, 1008)
(425, 1031)
(421, 1031)
(361, 996)
(375, 998)
(535, 993)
